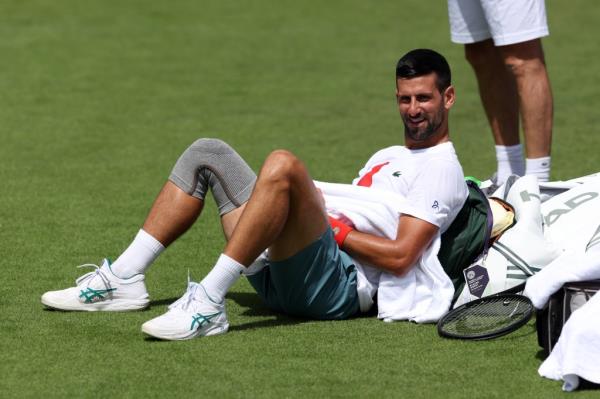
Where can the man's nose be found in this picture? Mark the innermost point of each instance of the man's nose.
(413, 108)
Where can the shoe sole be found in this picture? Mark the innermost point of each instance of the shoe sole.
(115, 305)
(216, 330)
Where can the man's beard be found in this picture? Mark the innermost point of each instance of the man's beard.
(432, 127)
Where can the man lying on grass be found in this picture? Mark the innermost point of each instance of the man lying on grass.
(313, 265)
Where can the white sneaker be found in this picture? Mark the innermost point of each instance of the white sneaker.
(193, 315)
(100, 290)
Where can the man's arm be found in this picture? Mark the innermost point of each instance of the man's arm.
(394, 256)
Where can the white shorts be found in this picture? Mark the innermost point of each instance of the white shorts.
(505, 21)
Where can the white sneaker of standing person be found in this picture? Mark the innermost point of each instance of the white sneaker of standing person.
(193, 315)
(100, 290)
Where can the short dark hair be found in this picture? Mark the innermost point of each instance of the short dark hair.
(421, 62)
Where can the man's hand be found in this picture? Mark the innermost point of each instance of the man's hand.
(340, 230)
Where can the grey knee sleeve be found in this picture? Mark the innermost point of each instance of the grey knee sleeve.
(213, 163)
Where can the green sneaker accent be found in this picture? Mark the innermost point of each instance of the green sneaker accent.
(202, 319)
(90, 294)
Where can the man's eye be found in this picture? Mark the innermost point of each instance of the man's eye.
(423, 99)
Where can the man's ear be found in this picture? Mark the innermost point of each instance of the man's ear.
(449, 97)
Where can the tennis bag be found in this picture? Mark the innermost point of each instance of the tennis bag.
(522, 247)
(551, 319)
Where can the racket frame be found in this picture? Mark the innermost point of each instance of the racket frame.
(511, 293)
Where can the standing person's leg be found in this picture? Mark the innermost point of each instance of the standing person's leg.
(207, 163)
(516, 28)
(470, 25)
(525, 61)
(286, 215)
(500, 100)
(502, 43)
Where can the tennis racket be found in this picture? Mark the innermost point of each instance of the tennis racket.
(489, 317)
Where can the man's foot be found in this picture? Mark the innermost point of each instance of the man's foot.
(100, 290)
(193, 315)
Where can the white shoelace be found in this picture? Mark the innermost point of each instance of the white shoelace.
(90, 276)
(188, 298)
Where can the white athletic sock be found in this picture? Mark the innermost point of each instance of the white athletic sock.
(218, 281)
(539, 167)
(510, 162)
(138, 256)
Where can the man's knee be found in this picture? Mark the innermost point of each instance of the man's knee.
(202, 153)
(213, 163)
(209, 145)
(199, 151)
(521, 67)
(281, 166)
(525, 58)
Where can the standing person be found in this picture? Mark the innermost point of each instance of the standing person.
(313, 267)
(503, 44)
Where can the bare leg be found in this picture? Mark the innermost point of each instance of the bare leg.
(230, 220)
(206, 164)
(285, 212)
(283, 202)
(525, 61)
(497, 90)
(172, 214)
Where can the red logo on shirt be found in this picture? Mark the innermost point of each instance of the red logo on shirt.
(367, 179)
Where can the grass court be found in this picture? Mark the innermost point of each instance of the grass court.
(97, 100)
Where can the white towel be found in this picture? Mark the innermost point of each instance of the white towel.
(570, 266)
(424, 293)
(577, 351)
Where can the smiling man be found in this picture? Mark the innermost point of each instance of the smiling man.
(424, 101)
(426, 170)
(312, 264)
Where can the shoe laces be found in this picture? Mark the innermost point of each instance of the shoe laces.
(88, 277)
(194, 295)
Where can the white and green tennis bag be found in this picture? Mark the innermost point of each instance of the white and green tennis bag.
(568, 219)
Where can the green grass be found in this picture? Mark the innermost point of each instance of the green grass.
(97, 100)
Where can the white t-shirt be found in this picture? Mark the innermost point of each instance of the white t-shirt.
(432, 181)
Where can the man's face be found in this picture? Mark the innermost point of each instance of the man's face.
(422, 107)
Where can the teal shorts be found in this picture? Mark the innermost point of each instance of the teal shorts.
(319, 282)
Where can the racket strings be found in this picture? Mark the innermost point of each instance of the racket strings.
(488, 316)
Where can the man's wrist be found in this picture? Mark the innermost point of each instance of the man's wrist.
(340, 230)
